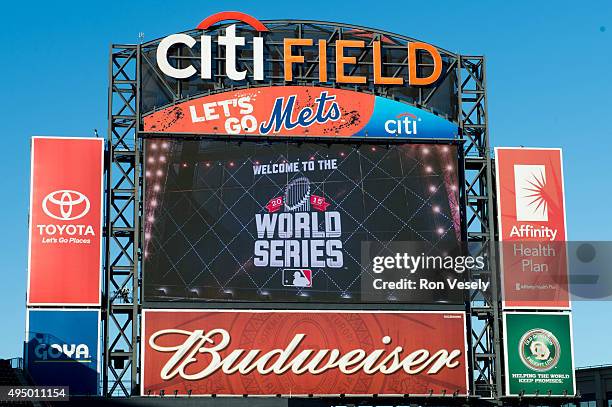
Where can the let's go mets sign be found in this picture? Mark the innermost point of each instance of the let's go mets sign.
(230, 352)
(299, 111)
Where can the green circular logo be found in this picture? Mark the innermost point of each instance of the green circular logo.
(539, 350)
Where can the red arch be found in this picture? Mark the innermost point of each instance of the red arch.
(406, 114)
(232, 15)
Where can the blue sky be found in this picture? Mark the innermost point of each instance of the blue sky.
(549, 68)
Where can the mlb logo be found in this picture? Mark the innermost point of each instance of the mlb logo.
(297, 278)
(530, 184)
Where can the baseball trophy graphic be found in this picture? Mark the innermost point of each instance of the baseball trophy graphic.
(297, 195)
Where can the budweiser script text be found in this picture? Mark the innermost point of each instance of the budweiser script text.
(210, 344)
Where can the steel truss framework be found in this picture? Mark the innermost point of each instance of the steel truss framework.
(124, 205)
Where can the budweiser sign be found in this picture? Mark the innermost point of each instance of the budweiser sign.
(301, 352)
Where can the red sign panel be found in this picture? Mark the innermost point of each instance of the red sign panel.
(531, 217)
(291, 110)
(230, 352)
(65, 221)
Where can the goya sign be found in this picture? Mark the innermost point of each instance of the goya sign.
(342, 56)
(300, 111)
(233, 352)
(62, 348)
(539, 354)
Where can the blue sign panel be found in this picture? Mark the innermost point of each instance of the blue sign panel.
(395, 119)
(63, 349)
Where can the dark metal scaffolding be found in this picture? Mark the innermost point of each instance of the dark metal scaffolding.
(121, 310)
(480, 222)
(464, 75)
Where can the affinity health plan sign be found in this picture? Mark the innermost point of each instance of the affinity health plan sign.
(539, 354)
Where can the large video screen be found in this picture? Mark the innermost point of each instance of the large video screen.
(287, 221)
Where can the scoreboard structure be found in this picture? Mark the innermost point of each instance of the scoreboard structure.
(274, 119)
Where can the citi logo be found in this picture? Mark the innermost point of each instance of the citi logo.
(65, 204)
(230, 41)
(54, 351)
(404, 123)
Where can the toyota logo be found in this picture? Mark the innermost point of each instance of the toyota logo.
(65, 205)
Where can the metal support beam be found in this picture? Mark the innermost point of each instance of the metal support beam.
(123, 211)
(480, 222)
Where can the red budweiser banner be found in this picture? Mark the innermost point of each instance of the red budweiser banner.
(295, 353)
(531, 218)
(65, 221)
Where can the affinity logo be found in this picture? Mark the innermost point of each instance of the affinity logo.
(530, 185)
(66, 204)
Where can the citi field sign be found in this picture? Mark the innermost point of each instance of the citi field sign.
(291, 55)
(289, 107)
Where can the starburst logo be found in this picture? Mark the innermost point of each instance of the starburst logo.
(530, 187)
(535, 193)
